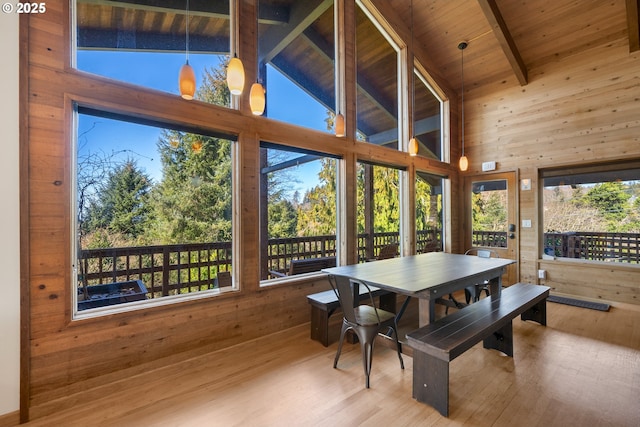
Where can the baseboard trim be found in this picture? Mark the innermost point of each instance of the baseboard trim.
(10, 419)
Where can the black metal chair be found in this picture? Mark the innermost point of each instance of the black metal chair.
(472, 293)
(366, 321)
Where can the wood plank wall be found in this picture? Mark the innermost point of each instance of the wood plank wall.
(584, 108)
(61, 356)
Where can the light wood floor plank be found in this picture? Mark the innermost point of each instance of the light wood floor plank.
(582, 369)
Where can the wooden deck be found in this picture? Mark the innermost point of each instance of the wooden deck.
(582, 369)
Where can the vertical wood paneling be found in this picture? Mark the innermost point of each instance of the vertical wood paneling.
(585, 108)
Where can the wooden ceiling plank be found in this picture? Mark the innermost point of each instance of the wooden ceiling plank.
(493, 15)
(218, 10)
(269, 14)
(633, 26)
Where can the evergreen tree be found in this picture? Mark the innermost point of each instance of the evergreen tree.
(611, 200)
(282, 219)
(317, 213)
(123, 207)
(386, 200)
(193, 202)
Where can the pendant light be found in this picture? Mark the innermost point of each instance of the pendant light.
(235, 76)
(339, 125)
(464, 162)
(187, 78)
(257, 100)
(413, 142)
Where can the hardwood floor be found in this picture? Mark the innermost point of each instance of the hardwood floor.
(582, 369)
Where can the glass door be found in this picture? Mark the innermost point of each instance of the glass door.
(491, 217)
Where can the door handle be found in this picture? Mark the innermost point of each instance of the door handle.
(512, 229)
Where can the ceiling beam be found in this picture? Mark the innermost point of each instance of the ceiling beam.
(302, 15)
(426, 125)
(500, 30)
(297, 161)
(633, 18)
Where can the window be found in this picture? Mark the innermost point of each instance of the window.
(298, 210)
(429, 213)
(377, 63)
(489, 213)
(592, 212)
(146, 44)
(295, 37)
(378, 209)
(153, 211)
(428, 118)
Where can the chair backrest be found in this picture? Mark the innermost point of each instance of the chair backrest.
(344, 289)
(388, 251)
(309, 265)
(223, 279)
(482, 253)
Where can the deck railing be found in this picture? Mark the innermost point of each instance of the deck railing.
(164, 270)
(178, 269)
(490, 239)
(610, 247)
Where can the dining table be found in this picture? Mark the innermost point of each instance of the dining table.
(427, 276)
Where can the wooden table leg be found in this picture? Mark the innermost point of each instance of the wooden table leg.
(426, 311)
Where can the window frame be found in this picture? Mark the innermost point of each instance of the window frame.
(77, 107)
(576, 170)
(264, 144)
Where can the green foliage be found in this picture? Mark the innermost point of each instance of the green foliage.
(489, 211)
(317, 212)
(386, 200)
(123, 207)
(610, 199)
(282, 219)
(428, 207)
(193, 201)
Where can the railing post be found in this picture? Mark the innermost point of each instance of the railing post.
(165, 271)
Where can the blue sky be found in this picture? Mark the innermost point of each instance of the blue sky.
(160, 71)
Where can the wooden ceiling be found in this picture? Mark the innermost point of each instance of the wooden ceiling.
(506, 38)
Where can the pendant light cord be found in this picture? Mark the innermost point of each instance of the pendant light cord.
(187, 33)
(462, 46)
(413, 80)
(258, 41)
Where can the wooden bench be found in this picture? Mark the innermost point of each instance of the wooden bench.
(306, 265)
(437, 344)
(324, 304)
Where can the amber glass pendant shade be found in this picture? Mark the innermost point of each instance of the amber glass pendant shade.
(257, 99)
(187, 81)
(235, 76)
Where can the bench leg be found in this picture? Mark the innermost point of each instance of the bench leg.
(501, 340)
(320, 325)
(431, 381)
(537, 313)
